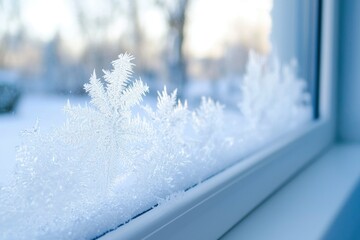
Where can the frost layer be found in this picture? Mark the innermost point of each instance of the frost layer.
(107, 164)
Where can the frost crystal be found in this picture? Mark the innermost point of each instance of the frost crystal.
(107, 130)
(107, 164)
(272, 95)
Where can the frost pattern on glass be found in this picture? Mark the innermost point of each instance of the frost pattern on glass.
(116, 157)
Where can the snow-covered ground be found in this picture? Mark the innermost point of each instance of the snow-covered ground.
(45, 108)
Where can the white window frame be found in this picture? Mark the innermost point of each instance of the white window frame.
(210, 209)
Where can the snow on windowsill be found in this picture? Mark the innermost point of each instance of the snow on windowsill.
(107, 164)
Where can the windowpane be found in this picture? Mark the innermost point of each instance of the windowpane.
(245, 73)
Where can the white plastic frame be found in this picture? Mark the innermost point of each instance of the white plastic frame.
(210, 209)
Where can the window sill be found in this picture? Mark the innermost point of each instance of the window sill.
(320, 203)
(210, 209)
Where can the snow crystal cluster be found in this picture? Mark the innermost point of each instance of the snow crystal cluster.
(117, 157)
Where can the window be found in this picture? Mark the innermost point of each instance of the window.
(209, 209)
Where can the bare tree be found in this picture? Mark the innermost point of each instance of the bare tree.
(11, 36)
(136, 27)
(175, 11)
(94, 29)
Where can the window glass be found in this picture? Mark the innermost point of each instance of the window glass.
(238, 74)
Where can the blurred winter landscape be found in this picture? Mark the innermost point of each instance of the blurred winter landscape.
(49, 49)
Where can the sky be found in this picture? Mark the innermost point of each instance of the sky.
(211, 23)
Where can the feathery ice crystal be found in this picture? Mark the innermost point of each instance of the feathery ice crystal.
(107, 164)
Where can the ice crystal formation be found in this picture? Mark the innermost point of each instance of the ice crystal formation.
(107, 164)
